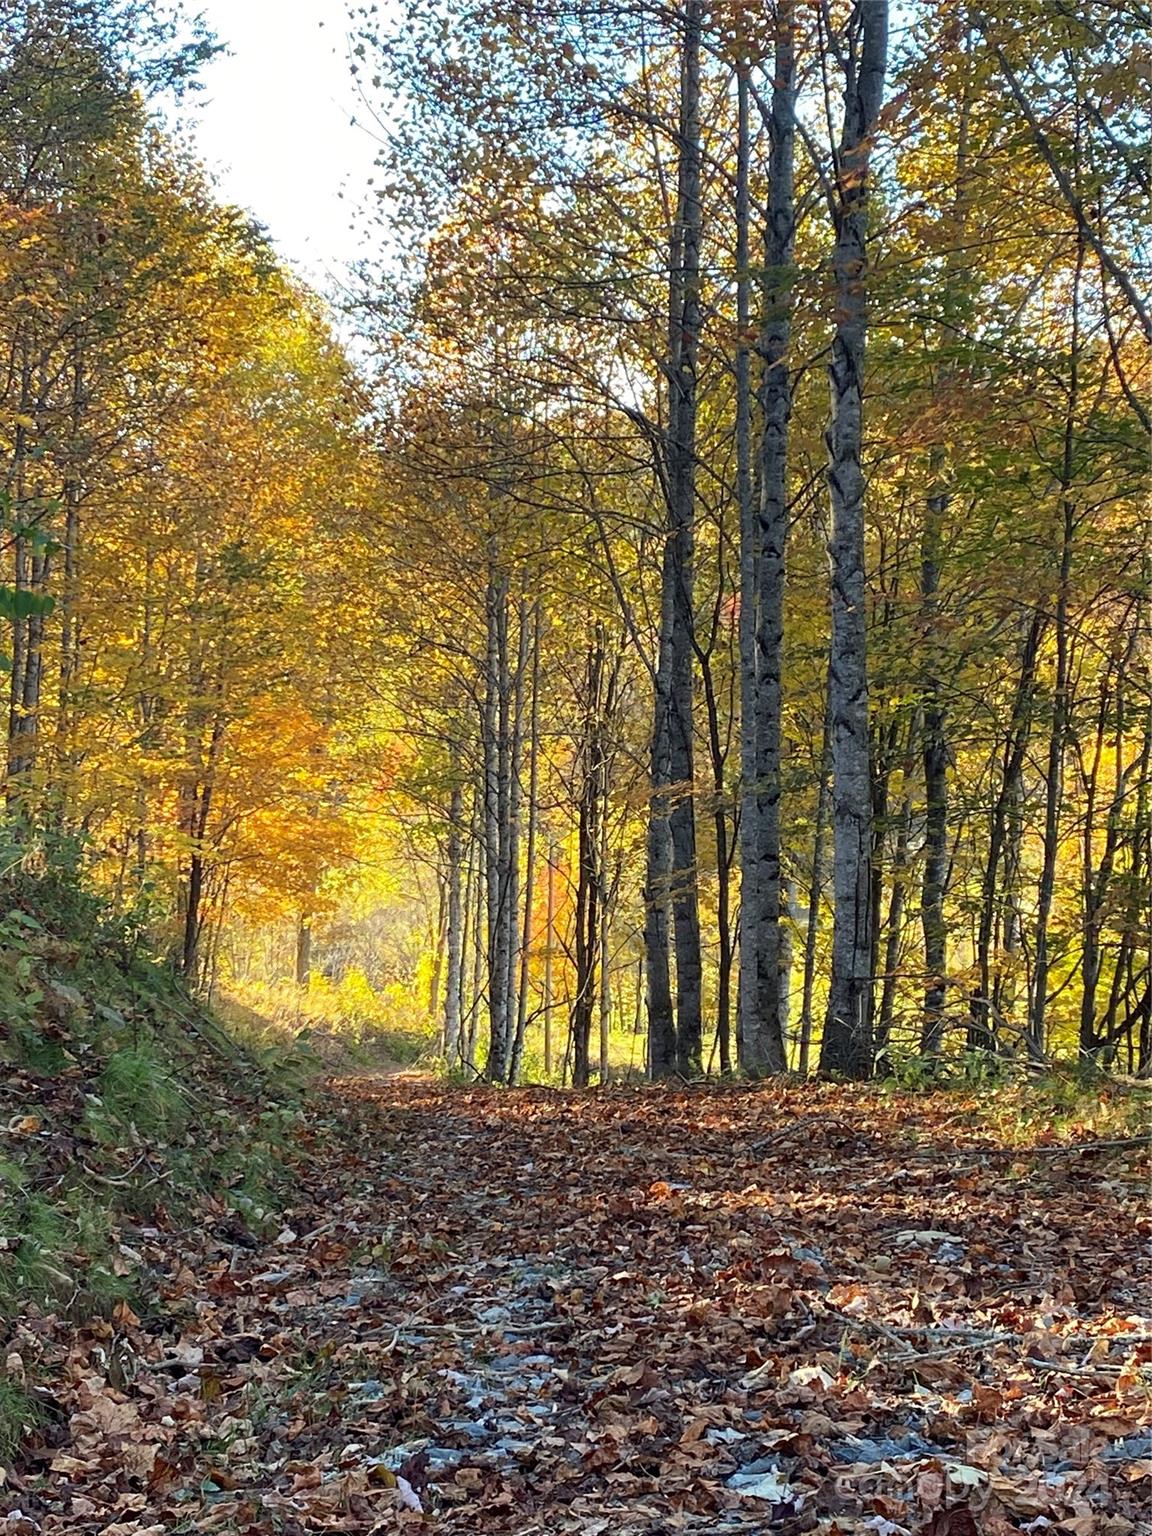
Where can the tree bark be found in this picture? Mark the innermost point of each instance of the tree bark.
(303, 965)
(1058, 729)
(761, 1023)
(605, 934)
(847, 1043)
(588, 880)
(983, 1004)
(895, 924)
(751, 928)
(515, 802)
(497, 821)
(530, 855)
(815, 894)
(934, 759)
(455, 935)
(718, 754)
(658, 870)
(549, 947)
(684, 335)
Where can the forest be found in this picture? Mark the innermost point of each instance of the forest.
(673, 618)
(530, 648)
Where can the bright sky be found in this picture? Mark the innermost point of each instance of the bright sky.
(274, 121)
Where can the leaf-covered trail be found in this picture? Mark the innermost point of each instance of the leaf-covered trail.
(642, 1311)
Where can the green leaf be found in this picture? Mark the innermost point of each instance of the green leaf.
(19, 603)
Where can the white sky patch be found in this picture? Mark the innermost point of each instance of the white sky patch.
(274, 123)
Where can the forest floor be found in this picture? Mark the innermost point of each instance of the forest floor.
(724, 1310)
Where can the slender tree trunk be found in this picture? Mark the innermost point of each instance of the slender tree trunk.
(751, 928)
(35, 570)
(605, 934)
(530, 858)
(1097, 878)
(16, 758)
(684, 312)
(895, 923)
(1137, 884)
(470, 922)
(455, 934)
(199, 809)
(588, 883)
(439, 939)
(761, 1022)
(658, 872)
(985, 1003)
(934, 758)
(815, 893)
(479, 947)
(193, 919)
(847, 1044)
(789, 917)
(593, 887)
(1058, 731)
(497, 808)
(303, 966)
(718, 755)
(724, 937)
(70, 639)
(1053, 797)
(934, 740)
(881, 752)
(549, 949)
(511, 910)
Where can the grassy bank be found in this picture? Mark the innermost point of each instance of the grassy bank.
(125, 1108)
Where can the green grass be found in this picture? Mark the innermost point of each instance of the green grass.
(18, 1414)
(135, 1092)
(139, 1099)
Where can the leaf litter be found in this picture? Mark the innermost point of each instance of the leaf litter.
(645, 1311)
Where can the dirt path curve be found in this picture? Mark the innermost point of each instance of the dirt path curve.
(652, 1312)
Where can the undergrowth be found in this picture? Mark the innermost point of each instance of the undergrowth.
(1023, 1106)
(122, 1102)
(345, 1022)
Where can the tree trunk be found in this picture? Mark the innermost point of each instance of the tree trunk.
(303, 966)
(895, 923)
(751, 928)
(455, 935)
(588, 881)
(17, 753)
(684, 312)
(1097, 878)
(847, 1044)
(70, 636)
(605, 933)
(815, 894)
(884, 741)
(658, 854)
(479, 947)
(761, 1021)
(984, 1004)
(1058, 730)
(511, 898)
(718, 755)
(530, 858)
(934, 759)
(549, 947)
(497, 808)
(934, 737)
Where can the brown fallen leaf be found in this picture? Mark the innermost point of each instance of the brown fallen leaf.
(955, 1521)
